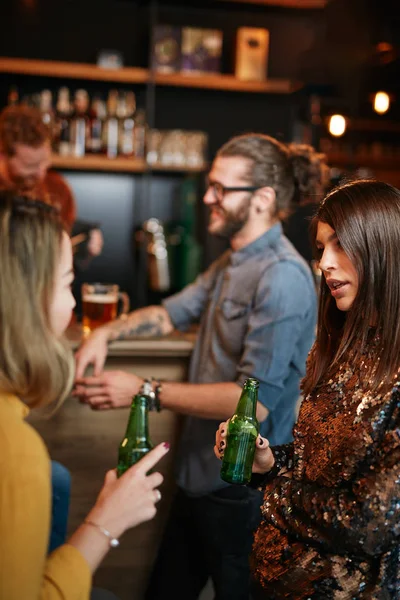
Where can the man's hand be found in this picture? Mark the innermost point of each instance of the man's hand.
(93, 351)
(112, 389)
(95, 243)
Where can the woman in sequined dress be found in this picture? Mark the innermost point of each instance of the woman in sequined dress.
(331, 507)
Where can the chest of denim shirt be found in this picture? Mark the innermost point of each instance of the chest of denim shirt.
(223, 328)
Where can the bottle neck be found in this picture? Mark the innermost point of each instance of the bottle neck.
(247, 405)
(138, 423)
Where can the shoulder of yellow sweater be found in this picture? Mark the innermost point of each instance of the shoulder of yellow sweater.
(19, 439)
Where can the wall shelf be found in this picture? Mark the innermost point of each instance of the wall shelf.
(378, 125)
(67, 70)
(340, 159)
(284, 3)
(98, 163)
(160, 168)
(92, 162)
(226, 83)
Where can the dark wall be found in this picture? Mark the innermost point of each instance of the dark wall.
(75, 30)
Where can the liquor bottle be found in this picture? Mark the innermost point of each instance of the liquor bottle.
(63, 123)
(97, 115)
(125, 113)
(139, 134)
(79, 123)
(110, 130)
(241, 437)
(46, 108)
(136, 442)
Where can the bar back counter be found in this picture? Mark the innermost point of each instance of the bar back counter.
(86, 442)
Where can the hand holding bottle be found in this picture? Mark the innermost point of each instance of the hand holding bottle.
(122, 503)
(130, 500)
(263, 457)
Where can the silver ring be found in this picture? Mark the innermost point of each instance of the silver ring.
(158, 495)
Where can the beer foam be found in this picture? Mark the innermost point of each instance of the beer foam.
(100, 298)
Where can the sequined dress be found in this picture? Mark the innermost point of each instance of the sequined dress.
(332, 530)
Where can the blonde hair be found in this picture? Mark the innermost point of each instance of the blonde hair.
(34, 365)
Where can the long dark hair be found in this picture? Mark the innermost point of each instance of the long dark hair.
(365, 216)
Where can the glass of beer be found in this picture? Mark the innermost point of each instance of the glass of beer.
(100, 304)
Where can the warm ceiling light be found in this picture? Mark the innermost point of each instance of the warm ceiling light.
(381, 102)
(337, 125)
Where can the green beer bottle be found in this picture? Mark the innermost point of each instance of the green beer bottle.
(241, 437)
(136, 442)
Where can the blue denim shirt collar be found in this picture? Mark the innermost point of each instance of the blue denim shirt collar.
(268, 239)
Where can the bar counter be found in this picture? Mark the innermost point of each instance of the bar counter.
(86, 441)
(163, 357)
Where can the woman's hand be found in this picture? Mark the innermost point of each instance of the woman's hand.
(263, 457)
(130, 500)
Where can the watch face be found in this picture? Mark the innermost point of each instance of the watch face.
(166, 50)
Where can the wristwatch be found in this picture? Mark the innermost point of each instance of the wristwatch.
(151, 388)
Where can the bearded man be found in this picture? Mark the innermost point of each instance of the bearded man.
(256, 306)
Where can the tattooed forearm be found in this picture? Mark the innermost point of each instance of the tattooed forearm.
(145, 328)
(151, 321)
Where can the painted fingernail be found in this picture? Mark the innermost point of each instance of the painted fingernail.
(261, 442)
(166, 445)
(222, 444)
(222, 431)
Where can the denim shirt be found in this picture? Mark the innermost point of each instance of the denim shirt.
(257, 314)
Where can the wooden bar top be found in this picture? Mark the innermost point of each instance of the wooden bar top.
(176, 344)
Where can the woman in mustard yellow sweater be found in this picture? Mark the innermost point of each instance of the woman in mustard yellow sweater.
(36, 370)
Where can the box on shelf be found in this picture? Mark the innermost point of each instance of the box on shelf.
(110, 59)
(166, 52)
(252, 45)
(201, 50)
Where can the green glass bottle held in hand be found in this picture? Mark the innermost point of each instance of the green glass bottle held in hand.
(136, 442)
(241, 437)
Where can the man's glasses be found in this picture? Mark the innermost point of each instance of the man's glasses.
(220, 190)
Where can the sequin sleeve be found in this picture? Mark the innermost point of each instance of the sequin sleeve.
(283, 460)
(361, 517)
